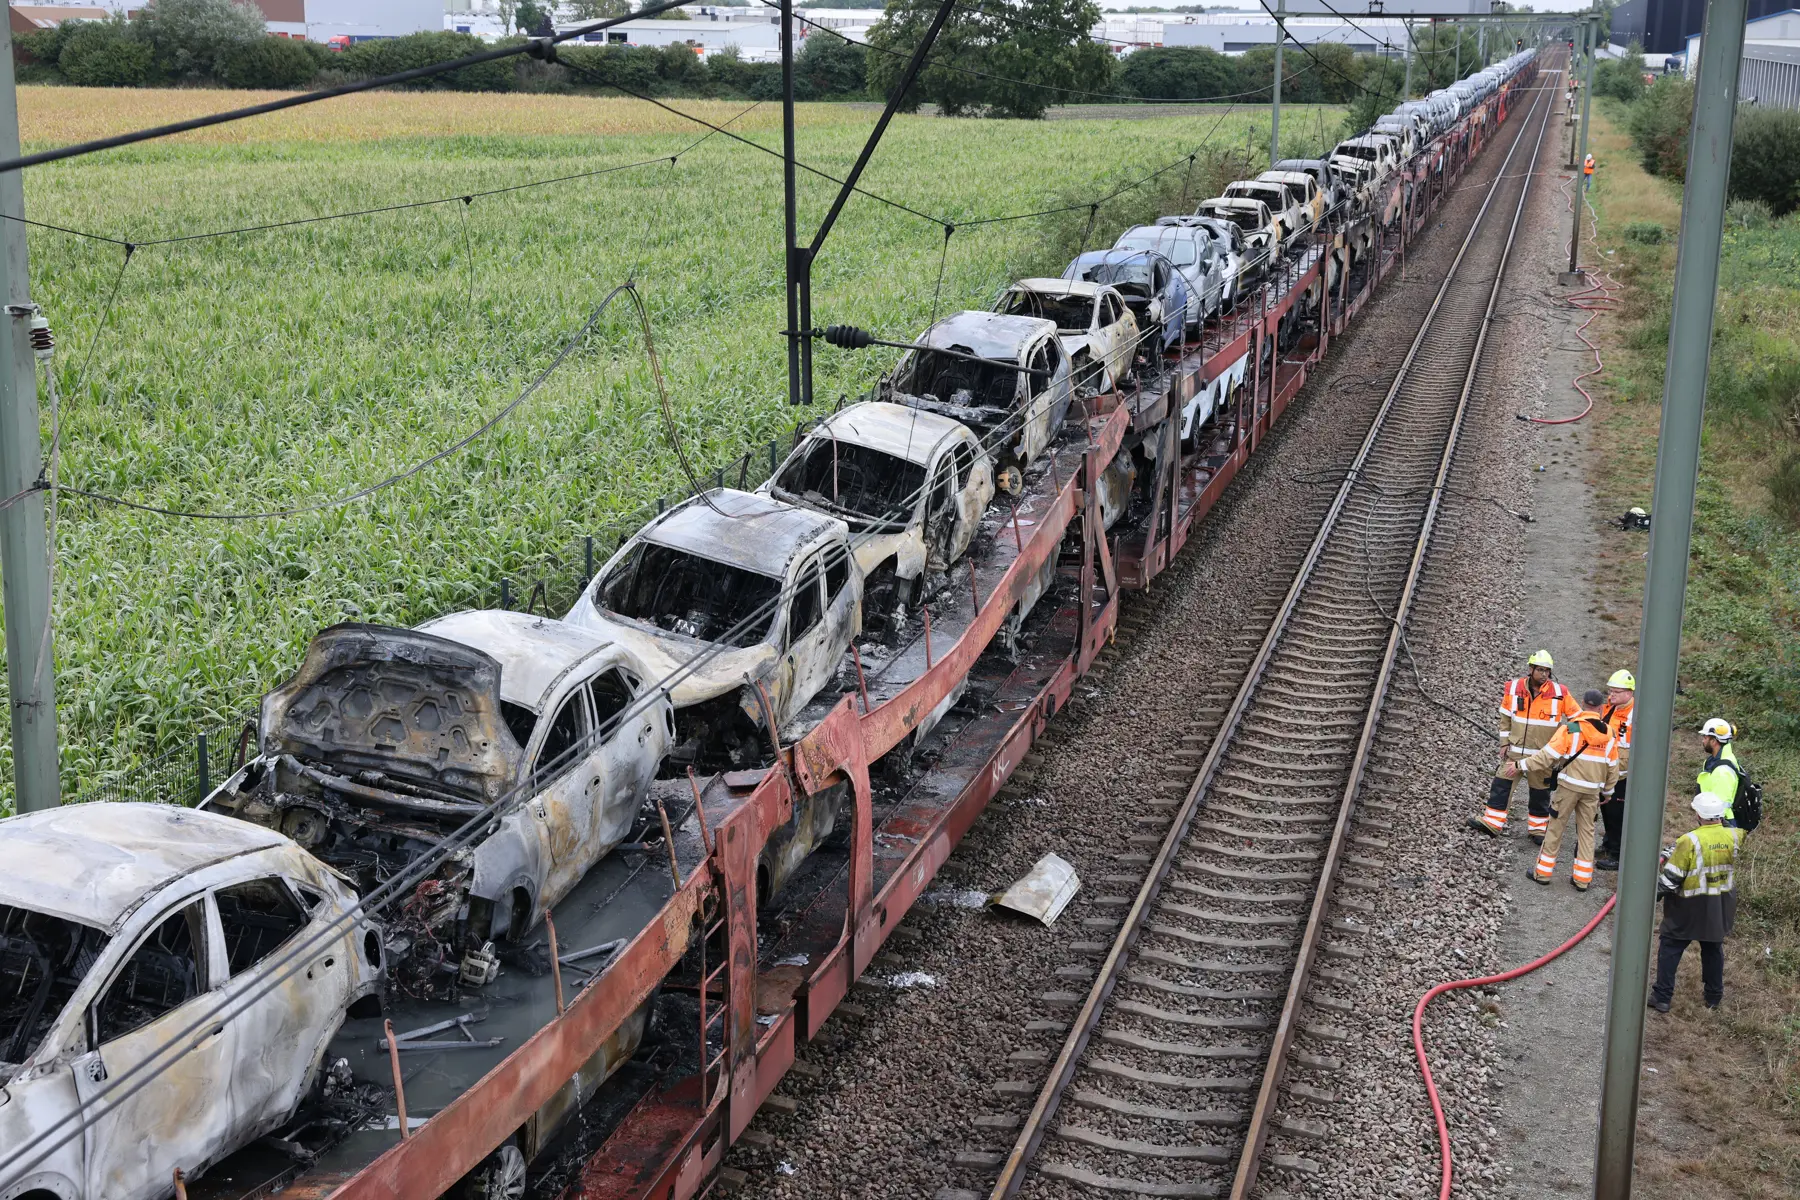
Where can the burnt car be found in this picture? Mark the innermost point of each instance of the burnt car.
(911, 485)
(742, 605)
(386, 741)
(1015, 398)
(1151, 285)
(1099, 332)
(127, 927)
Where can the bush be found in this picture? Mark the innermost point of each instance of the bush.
(1622, 78)
(1748, 214)
(1765, 158)
(104, 54)
(1645, 233)
(1178, 72)
(729, 75)
(191, 38)
(388, 56)
(1659, 126)
(632, 68)
(832, 67)
(1784, 489)
(272, 62)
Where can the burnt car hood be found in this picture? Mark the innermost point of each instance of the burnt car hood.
(412, 706)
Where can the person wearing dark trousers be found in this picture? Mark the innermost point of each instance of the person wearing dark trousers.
(1621, 696)
(1699, 903)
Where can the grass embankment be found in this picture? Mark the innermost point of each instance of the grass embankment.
(280, 368)
(1720, 1108)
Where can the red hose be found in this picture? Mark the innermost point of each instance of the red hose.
(1437, 1107)
(1592, 300)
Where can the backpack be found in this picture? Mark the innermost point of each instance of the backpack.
(1746, 806)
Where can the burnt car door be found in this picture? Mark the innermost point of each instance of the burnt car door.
(568, 774)
(134, 1140)
(634, 739)
(940, 513)
(283, 1028)
(803, 641)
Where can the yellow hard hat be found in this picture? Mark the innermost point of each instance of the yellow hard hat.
(1622, 679)
(1717, 727)
(1541, 659)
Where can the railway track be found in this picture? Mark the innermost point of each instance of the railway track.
(1211, 1024)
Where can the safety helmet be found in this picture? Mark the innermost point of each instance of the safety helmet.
(1707, 806)
(1541, 659)
(1622, 679)
(1717, 727)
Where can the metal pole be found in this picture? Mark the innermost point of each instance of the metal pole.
(1580, 32)
(1659, 644)
(791, 251)
(24, 563)
(1481, 44)
(1275, 111)
(1406, 92)
(1581, 180)
(1457, 30)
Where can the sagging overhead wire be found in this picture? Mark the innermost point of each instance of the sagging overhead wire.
(540, 48)
(568, 347)
(465, 197)
(298, 953)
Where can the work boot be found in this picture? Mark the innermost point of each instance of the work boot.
(1606, 862)
(1537, 839)
(1659, 1005)
(1580, 887)
(1481, 826)
(1531, 874)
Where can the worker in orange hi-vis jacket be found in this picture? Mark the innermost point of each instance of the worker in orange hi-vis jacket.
(1587, 171)
(1531, 708)
(1583, 757)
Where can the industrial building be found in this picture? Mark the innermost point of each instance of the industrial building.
(1664, 26)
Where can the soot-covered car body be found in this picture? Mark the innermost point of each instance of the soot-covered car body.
(1098, 330)
(1016, 401)
(386, 741)
(1198, 253)
(1257, 226)
(125, 928)
(910, 484)
(1152, 286)
(741, 605)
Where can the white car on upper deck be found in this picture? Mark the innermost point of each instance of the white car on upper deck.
(912, 486)
(730, 597)
(206, 959)
(1098, 331)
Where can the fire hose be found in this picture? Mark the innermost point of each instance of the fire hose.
(1437, 1107)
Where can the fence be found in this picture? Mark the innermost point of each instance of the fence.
(551, 584)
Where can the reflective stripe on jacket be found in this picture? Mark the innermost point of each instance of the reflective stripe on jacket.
(1528, 719)
(1720, 776)
(1583, 751)
(1703, 863)
(1618, 719)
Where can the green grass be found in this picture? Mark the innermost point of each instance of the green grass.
(1729, 1089)
(281, 368)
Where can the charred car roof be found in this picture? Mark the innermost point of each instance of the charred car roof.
(759, 534)
(1060, 287)
(912, 434)
(991, 335)
(533, 652)
(94, 863)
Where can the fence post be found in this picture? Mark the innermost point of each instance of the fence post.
(587, 557)
(773, 461)
(505, 592)
(205, 769)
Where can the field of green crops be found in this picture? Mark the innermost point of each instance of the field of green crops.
(281, 368)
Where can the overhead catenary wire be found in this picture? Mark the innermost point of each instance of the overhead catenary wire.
(541, 48)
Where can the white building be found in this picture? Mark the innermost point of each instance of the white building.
(754, 41)
(360, 19)
(1234, 33)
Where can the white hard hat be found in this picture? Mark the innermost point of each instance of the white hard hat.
(1707, 806)
(1717, 727)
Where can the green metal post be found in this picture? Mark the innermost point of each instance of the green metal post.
(1581, 180)
(1275, 111)
(24, 566)
(1406, 92)
(1580, 32)
(1671, 530)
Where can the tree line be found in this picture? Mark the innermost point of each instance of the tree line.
(1012, 59)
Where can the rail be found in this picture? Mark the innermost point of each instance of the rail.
(1317, 621)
